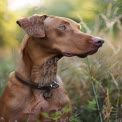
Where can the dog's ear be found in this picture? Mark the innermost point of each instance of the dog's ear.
(34, 25)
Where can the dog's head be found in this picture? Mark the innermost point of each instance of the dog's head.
(60, 36)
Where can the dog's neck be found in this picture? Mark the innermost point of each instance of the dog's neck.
(46, 72)
(36, 65)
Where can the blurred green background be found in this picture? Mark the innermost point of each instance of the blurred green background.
(94, 83)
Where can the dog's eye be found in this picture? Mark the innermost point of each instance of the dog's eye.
(62, 27)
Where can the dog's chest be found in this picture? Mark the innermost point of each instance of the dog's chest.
(39, 105)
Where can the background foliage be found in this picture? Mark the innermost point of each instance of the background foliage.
(94, 84)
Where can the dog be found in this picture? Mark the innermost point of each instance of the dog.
(34, 91)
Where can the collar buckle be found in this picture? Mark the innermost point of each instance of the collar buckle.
(54, 85)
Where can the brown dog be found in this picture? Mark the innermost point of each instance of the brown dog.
(34, 92)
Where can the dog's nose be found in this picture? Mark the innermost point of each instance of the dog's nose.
(97, 41)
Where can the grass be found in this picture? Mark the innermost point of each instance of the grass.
(6, 66)
(94, 83)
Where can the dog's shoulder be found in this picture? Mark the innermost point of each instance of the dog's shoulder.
(11, 75)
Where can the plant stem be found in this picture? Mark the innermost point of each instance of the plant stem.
(94, 91)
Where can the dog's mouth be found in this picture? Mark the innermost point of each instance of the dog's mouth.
(80, 55)
(86, 54)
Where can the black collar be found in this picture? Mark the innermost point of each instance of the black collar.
(47, 88)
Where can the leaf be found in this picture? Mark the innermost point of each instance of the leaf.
(56, 115)
(38, 121)
(92, 105)
(45, 114)
(74, 120)
(66, 109)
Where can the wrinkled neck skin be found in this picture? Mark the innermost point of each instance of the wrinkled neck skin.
(37, 64)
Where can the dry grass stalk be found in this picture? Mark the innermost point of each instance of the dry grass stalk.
(107, 108)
